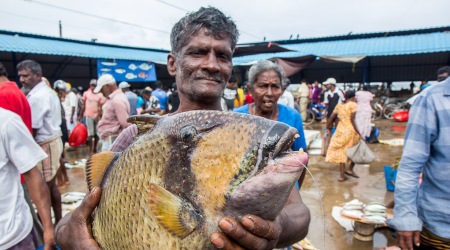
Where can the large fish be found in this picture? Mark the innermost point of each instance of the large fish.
(184, 172)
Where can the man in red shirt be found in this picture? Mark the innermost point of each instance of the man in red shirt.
(12, 99)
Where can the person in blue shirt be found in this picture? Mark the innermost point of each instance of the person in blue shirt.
(264, 84)
(421, 211)
(162, 97)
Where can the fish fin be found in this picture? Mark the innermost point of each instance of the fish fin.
(144, 122)
(176, 215)
(96, 167)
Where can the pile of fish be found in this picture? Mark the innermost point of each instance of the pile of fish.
(372, 212)
(375, 213)
(185, 172)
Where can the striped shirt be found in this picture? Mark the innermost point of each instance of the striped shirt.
(427, 150)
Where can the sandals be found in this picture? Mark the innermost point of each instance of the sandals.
(342, 179)
(352, 174)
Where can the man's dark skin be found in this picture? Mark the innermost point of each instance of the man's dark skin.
(202, 69)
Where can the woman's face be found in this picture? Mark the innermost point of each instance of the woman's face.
(266, 90)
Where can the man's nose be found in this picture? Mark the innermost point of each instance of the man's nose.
(211, 63)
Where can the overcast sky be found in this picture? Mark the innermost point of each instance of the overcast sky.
(147, 23)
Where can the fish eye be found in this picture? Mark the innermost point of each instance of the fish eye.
(188, 132)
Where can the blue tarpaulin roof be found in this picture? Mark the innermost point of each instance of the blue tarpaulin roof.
(373, 46)
(64, 47)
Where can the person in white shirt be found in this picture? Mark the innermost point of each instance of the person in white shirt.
(333, 96)
(69, 101)
(19, 154)
(303, 94)
(286, 98)
(46, 120)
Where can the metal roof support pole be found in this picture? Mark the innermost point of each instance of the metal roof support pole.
(61, 67)
(90, 69)
(243, 72)
(14, 61)
(366, 70)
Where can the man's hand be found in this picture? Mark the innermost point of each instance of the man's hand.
(49, 239)
(74, 229)
(251, 233)
(406, 239)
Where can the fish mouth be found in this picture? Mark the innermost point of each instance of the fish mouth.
(277, 140)
(286, 140)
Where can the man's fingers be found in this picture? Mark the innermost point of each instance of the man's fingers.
(221, 241)
(89, 203)
(416, 236)
(235, 234)
(260, 227)
(405, 240)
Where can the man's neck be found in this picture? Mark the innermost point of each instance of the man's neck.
(3, 79)
(190, 106)
(31, 86)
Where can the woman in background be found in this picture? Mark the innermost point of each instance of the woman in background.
(264, 84)
(363, 117)
(345, 136)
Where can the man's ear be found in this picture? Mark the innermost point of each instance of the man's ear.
(171, 67)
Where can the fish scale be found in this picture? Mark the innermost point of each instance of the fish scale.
(171, 186)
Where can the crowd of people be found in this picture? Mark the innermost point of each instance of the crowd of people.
(38, 119)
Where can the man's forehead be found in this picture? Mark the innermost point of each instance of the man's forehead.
(193, 41)
(25, 71)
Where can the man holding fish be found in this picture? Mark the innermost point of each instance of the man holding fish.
(201, 61)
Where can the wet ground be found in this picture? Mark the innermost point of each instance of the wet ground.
(370, 187)
(324, 232)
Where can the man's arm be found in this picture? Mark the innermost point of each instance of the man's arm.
(72, 116)
(150, 110)
(252, 232)
(41, 198)
(420, 134)
(122, 114)
(83, 107)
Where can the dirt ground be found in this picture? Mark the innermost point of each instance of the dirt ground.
(324, 232)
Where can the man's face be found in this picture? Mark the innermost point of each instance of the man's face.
(28, 78)
(442, 77)
(106, 90)
(202, 67)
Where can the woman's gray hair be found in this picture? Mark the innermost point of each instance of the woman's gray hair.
(211, 19)
(263, 66)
